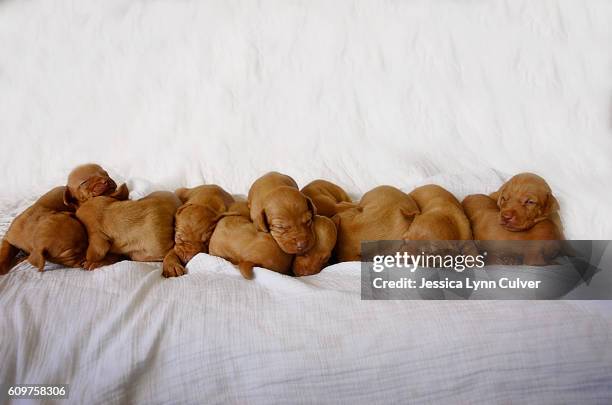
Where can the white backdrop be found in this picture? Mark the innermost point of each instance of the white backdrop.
(359, 92)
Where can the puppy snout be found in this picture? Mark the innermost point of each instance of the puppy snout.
(301, 245)
(508, 216)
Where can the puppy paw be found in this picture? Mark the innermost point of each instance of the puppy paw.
(89, 266)
(173, 270)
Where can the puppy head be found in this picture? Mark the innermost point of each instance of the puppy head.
(194, 225)
(313, 260)
(288, 215)
(525, 200)
(88, 181)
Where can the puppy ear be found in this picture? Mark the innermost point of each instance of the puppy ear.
(122, 193)
(336, 220)
(37, 259)
(69, 200)
(261, 221)
(311, 207)
(497, 196)
(551, 206)
(410, 212)
(182, 193)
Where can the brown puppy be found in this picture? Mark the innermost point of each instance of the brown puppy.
(236, 239)
(313, 261)
(47, 230)
(142, 230)
(326, 197)
(196, 219)
(525, 200)
(91, 180)
(384, 213)
(441, 220)
(542, 242)
(277, 206)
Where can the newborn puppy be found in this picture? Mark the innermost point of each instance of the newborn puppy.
(91, 180)
(236, 239)
(542, 242)
(47, 230)
(441, 222)
(196, 219)
(326, 197)
(313, 261)
(525, 200)
(277, 206)
(384, 213)
(142, 230)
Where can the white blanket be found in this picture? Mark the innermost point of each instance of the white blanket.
(123, 334)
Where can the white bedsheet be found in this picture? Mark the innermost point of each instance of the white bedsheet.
(123, 334)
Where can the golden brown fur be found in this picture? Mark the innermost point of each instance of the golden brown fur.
(196, 219)
(142, 230)
(525, 200)
(441, 220)
(237, 239)
(47, 230)
(483, 214)
(278, 207)
(91, 180)
(313, 261)
(384, 213)
(326, 197)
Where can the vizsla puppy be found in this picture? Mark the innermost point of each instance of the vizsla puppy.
(313, 261)
(142, 230)
(236, 239)
(326, 196)
(277, 206)
(541, 243)
(384, 213)
(441, 221)
(525, 200)
(47, 230)
(196, 219)
(91, 180)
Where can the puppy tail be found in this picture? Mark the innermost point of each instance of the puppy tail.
(246, 269)
(8, 253)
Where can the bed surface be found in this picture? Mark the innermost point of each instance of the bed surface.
(123, 334)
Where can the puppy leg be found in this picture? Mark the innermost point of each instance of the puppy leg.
(96, 251)
(172, 266)
(246, 269)
(7, 256)
(37, 259)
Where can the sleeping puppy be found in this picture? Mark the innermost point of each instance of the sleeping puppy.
(277, 206)
(47, 230)
(237, 240)
(91, 180)
(196, 219)
(313, 261)
(525, 200)
(326, 196)
(384, 213)
(542, 241)
(441, 222)
(142, 230)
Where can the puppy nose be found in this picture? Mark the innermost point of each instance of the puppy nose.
(301, 245)
(507, 215)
